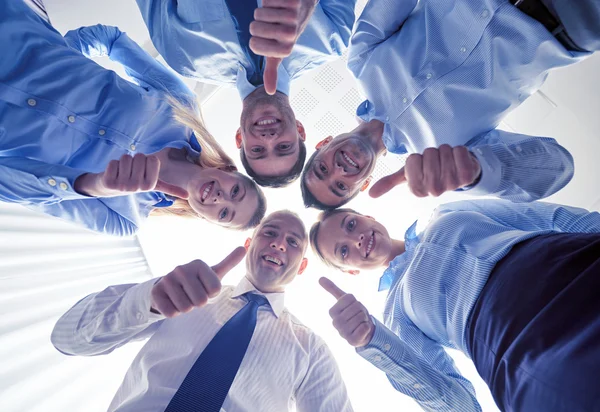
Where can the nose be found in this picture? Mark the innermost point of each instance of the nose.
(340, 169)
(218, 196)
(278, 244)
(360, 241)
(270, 133)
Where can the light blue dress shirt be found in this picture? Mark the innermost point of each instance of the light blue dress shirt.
(286, 364)
(62, 115)
(198, 39)
(448, 72)
(434, 285)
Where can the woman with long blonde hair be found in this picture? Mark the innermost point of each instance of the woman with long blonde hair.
(79, 142)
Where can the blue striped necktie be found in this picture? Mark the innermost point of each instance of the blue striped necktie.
(242, 13)
(206, 385)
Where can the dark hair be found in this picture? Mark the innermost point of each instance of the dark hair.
(277, 181)
(309, 198)
(314, 232)
(261, 208)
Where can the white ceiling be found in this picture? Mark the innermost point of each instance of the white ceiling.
(324, 101)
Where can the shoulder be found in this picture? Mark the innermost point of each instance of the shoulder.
(306, 337)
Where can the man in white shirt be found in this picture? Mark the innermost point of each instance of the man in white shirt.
(284, 364)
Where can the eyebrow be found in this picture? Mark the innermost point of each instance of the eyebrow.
(272, 226)
(232, 214)
(245, 191)
(298, 236)
(344, 221)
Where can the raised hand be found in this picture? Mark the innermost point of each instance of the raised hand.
(275, 30)
(350, 317)
(127, 175)
(190, 286)
(434, 172)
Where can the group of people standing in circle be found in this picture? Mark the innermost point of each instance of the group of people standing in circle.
(510, 281)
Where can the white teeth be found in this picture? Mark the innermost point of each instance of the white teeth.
(370, 245)
(206, 192)
(350, 160)
(273, 260)
(266, 122)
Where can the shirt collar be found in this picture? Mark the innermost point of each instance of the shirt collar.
(396, 269)
(276, 300)
(245, 87)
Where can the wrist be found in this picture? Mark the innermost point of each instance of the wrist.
(84, 184)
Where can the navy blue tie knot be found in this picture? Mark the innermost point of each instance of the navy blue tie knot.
(260, 300)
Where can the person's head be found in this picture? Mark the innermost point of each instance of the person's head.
(347, 240)
(338, 170)
(217, 192)
(276, 252)
(270, 139)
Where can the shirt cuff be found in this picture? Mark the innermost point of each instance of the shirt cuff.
(383, 346)
(138, 301)
(491, 172)
(61, 183)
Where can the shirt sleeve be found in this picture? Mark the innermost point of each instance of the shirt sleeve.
(322, 388)
(99, 40)
(532, 216)
(520, 168)
(379, 20)
(420, 368)
(341, 15)
(104, 321)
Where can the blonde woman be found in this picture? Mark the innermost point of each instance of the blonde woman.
(80, 143)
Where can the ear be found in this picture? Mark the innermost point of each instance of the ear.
(247, 243)
(324, 142)
(238, 138)
(366, 184)
(352, 272)
(303, 266)
(301, 131)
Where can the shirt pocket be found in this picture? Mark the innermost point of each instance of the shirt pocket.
(199, 11)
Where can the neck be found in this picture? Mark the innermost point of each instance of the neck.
(175, 168)
(398, 248)
(372, 132)
(265, 289)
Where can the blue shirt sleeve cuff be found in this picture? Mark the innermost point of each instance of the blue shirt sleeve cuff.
(138, 301)
(491, 172)
(383, 342)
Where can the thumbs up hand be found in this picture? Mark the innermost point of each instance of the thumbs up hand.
(191, 285)
(350, 317)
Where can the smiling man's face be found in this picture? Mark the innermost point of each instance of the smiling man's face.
(276, 252)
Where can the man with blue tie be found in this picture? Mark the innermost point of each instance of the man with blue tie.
(214, 41)
(453, 70)
(214, 348)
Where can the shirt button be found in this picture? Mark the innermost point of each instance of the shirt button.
(31, 102)
(463, 49)
(71, 119)
(519, 149)
(429, 76)
(404, 100)
(139, 316)
(377, 358)
(479, 151)
(387, 347)
(132, 147)
(101, 132)
(387, 118)
(63, 186)
(485, 13)
(52, 182)
(417, 386)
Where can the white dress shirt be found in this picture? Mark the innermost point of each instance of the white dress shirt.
(285, 364)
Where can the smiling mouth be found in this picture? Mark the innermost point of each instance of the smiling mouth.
(206, 190)
(349, 160)
(272, 260)
(371, 244)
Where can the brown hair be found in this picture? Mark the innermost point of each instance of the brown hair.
(213, 155)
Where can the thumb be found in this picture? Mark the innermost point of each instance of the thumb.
(171, 190)
(270, 74)
(387, 183)
(331, 287)
(231, 261)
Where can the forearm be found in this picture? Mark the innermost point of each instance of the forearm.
(409, 374)
(520, 168)
(104, 321)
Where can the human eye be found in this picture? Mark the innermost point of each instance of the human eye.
(256, 149)
(341, 186)
(292, 242)
(235, 190)
(284, 146)
(270, 233)
(351, 225)
(344, 252)
(223, 213)
(323, 168)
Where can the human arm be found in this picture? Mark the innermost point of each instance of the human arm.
(419, 368)
(530, 216)
(100, 40)
(322, 388)
(379, 20)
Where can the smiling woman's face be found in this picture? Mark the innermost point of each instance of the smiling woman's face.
(352, 241)
(224, 198)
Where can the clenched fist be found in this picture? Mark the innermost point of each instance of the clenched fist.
(434, 172)
(190, 286)
(350, 317)
(127, 175)
(275, 30)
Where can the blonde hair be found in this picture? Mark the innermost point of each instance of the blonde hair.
(213, 155)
